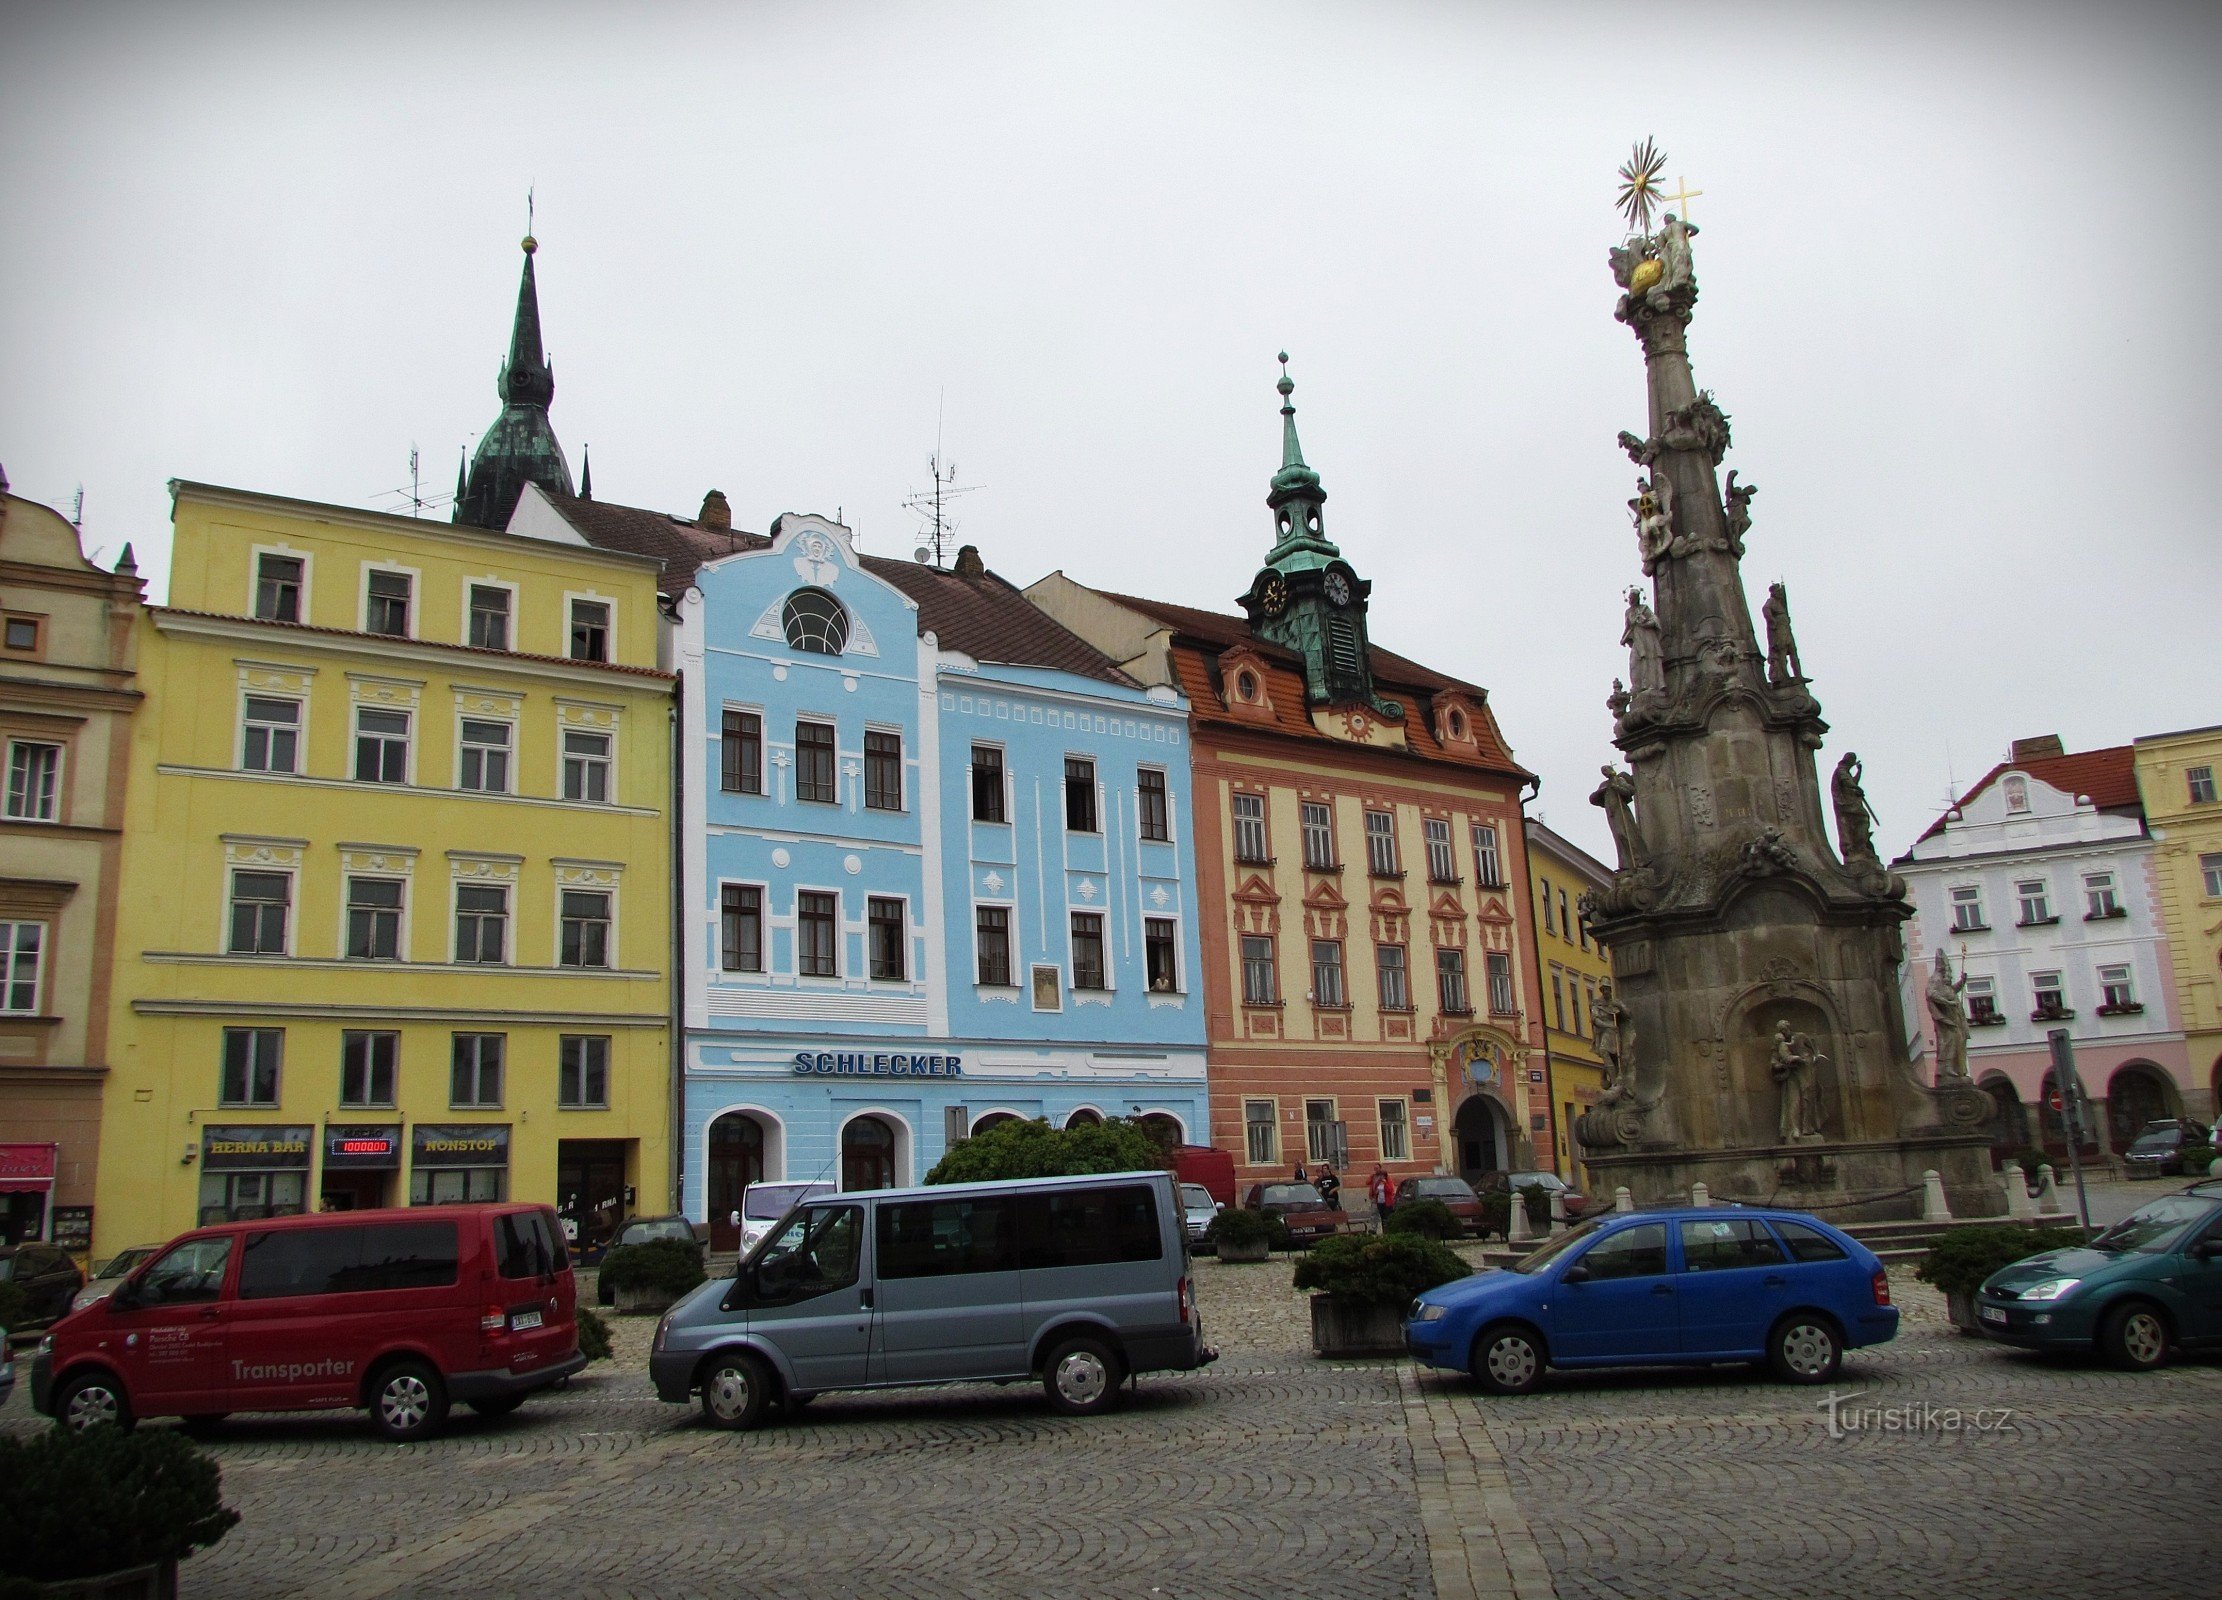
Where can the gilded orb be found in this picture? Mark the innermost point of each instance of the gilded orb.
(1647, 273)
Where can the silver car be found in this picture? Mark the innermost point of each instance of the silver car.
(1080, 1282)
(1197, 1210)
(112, 1272)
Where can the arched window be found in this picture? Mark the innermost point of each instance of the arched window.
(815, 622)
(867, 1155)
(1085, 1117)
(736, 1161)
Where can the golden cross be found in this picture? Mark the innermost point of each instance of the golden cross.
(1682, 196)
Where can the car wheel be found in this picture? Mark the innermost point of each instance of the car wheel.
(1082, 1377)
(2134, 1336)
(498, 1405)
(91, 1401)
(1805, 1349)
(408, 1402)
(736, 1390)
(1508, 1359)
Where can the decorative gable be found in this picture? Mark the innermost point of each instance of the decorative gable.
(1246, 685)
(1457, 724)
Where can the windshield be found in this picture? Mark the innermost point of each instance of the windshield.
(765, 1201)
(1289, 1194)
(667, 1228)
(117, 1265)
(1537, 1260)
(1448, 1188)
(1537, 1180)
(1195, 1195)
(2158, 1139)
(2153, 1228)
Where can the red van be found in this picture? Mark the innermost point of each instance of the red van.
(400, 1312)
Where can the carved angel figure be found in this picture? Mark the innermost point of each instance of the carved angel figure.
(1654, 510)
(1640, 450)
(1736, 507)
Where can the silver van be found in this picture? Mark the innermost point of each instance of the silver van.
(1080, 1282)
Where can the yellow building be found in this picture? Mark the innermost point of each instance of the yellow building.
(2180, 778)
(1573, 967)
(396, 922)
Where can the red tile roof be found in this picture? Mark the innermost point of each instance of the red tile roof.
(987, 618)
(680, 543)
(2108, 777)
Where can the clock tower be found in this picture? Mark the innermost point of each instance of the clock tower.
(1306, 598)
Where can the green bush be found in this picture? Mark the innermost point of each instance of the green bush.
(661, 1266)
(1240, 1227)
(2029, 1159)
(1496, 1213)
(1385, 1269)
(1033, 1149)
(1538, 1200)
(1430, 1219)
(79, 1504)
(594, 1335)
(1960, 1261)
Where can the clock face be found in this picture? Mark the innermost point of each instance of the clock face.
(1338, 589)
(1273, 598)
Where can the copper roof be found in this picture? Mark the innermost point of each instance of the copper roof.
(2108, 777)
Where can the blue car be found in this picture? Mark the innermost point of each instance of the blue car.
(1656, 1288)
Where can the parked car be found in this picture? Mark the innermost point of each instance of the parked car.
(1197, 1209)
(2143, 1289)
(1572, 1199)
(48, 1278)
(641, 1230)
(1455, 1194)
(7, 1368)
(1207, 1165)
(1079, 1282)
(111, 1272)
(1686, 1286)
(1306, 1216)
(400, 1312)
(763, 1204)
(2159, 1149)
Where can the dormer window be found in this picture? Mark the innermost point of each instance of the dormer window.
(1245, 686)
(815, 622)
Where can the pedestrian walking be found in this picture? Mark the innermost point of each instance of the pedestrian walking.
(1377, 1187)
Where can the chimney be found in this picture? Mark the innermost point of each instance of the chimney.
(969, 564)
(2044, 746)
(715, 512)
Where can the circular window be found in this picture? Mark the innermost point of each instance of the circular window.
(815, 622)
(1246, 686)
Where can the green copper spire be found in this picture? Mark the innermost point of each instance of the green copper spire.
(1296, 497)
(520, 447)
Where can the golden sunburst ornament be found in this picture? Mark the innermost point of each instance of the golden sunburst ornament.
(1639, 185)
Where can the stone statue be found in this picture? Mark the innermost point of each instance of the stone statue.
(1617, 701)
(1617, 794)
(1736, 507)
(1654, 510)
(1855, 820)
(1948, 1010)
(1674, 255)
(1608, 1020)
(1797, 1067)
(1641, 451)
(1783, 665)
(1646, 658)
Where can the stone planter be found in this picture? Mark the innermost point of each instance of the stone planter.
(639, 1302)
(1342, 1326)
(1257, 1250)
(155, 1581)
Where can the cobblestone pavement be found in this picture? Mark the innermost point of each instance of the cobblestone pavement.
(1270, 1474)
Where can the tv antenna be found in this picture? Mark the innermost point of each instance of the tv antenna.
(932, 507)
(416, 487)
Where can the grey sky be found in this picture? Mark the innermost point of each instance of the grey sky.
(1958, 263)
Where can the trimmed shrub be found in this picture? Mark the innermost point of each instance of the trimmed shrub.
(1033, 1149)
(1496, 1213)
(1381, 1269)
(594, 1335)
(1239, 1226)
(2029, 1159)
(661, 1266)
(1960, 1261)
(1430, 1219)
(80, 1504)
(1538, 1201)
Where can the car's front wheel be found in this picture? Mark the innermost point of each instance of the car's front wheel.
(736, 1391)
(92, 1401)
(1805, 1349)
(1508, 1359)
(2134, 1336)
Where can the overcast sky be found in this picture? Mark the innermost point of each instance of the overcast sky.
(1959, 267)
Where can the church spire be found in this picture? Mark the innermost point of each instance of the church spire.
(520, 447)
(1295, 496)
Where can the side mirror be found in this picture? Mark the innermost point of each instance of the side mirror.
(2206, 1249)
(1577, 1273)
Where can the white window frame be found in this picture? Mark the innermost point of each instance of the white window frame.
(840, 935)
(1004, 781)
(892, 730)
(1385, 838)
(1488, 861)
(223, 1067)
(610, 949)
(592, 597)
(300, 706)
(2196, 778)
(2038, 988)
(1012, 966)
(2101, 896)
(608, 760)
(1179, 966)
(1244, 824)
(1272, 968)
(1339, 969)
(509, 752)
(735, 708)
(1405, 974)
(407, 714)
(1333, 1103)
(57, 788)
(402, 945)
(2041, 899)
(292, 877)
(910, 963)
(393, 1086)
(40, 965)
(415, 629)
(608, 1043)
(2210, 874)
(1315, 821)
(1172, 827)
(1272, 1157)
(1401, 1122)
(1984, 988)
(2125, 983)
(1493, 964)
(456, 886)
(514, 592)
(720, 970)
(1110, 984)
(307, 558)
(1441, 852)
(1967, 898)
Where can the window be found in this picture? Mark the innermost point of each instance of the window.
(485, 757)
(1381, 858)
(889, 938)
(2200, 781)
(1088, 1227)
(814, 778)
(1967, 909)
(1396, 983)
(586, 928)
(1087, 950)
(741, 925)
(1156, 814)
(586, 766)
(1450, 982)
(366, 1068)
(481, 923)
(987, 784)
(590, 630)
(1638, 1252)
(251, 1057)
(489, 617)
(1321, 1128)
(278, 588)
(271, 738)
(386, 604)
(815, 622)
(1080, 795)
(1442, 865)
(2051, 997)
(1808, 1243)
(33, 774)
(741, 753)
(1327, 988)
(2115, 993)
(2098, 896)
(1396, 1138)
(355, 1260)
(1723, 1246)
(2210, 871)
(1558, 1003)
(381, 746)
(1579, 1004)
(2036, 902)
(883, 771)
(374, 919)
(1260, 986)
(23, 633)
(1549, 926)
(1982, 1001)
(260, 902)
(1160, 945)
(991, 929)
(1487, 871)
(525, 1246)
(947, 1238)
(22, 945)
(583, 1071)
(474, 1074)
(817, 922)
(1319, 836)
(1565, 917)
(1261, 1132)
(1500, 983)
(194, 1271)
(1249, 829)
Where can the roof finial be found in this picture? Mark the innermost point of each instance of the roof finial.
(586, 473)
(1292, 454)
(531, 244)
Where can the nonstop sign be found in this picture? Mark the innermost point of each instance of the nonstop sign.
(462, 1145)
(253, 1149)
(880, 1064)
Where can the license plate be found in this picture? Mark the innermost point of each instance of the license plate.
(519, 1321)
(1991, 1314)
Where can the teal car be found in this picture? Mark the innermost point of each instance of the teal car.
(2145, 1288)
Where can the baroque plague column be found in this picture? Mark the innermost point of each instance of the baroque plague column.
(1760, 1047)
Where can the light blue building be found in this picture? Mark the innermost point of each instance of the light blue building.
(937, 862)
